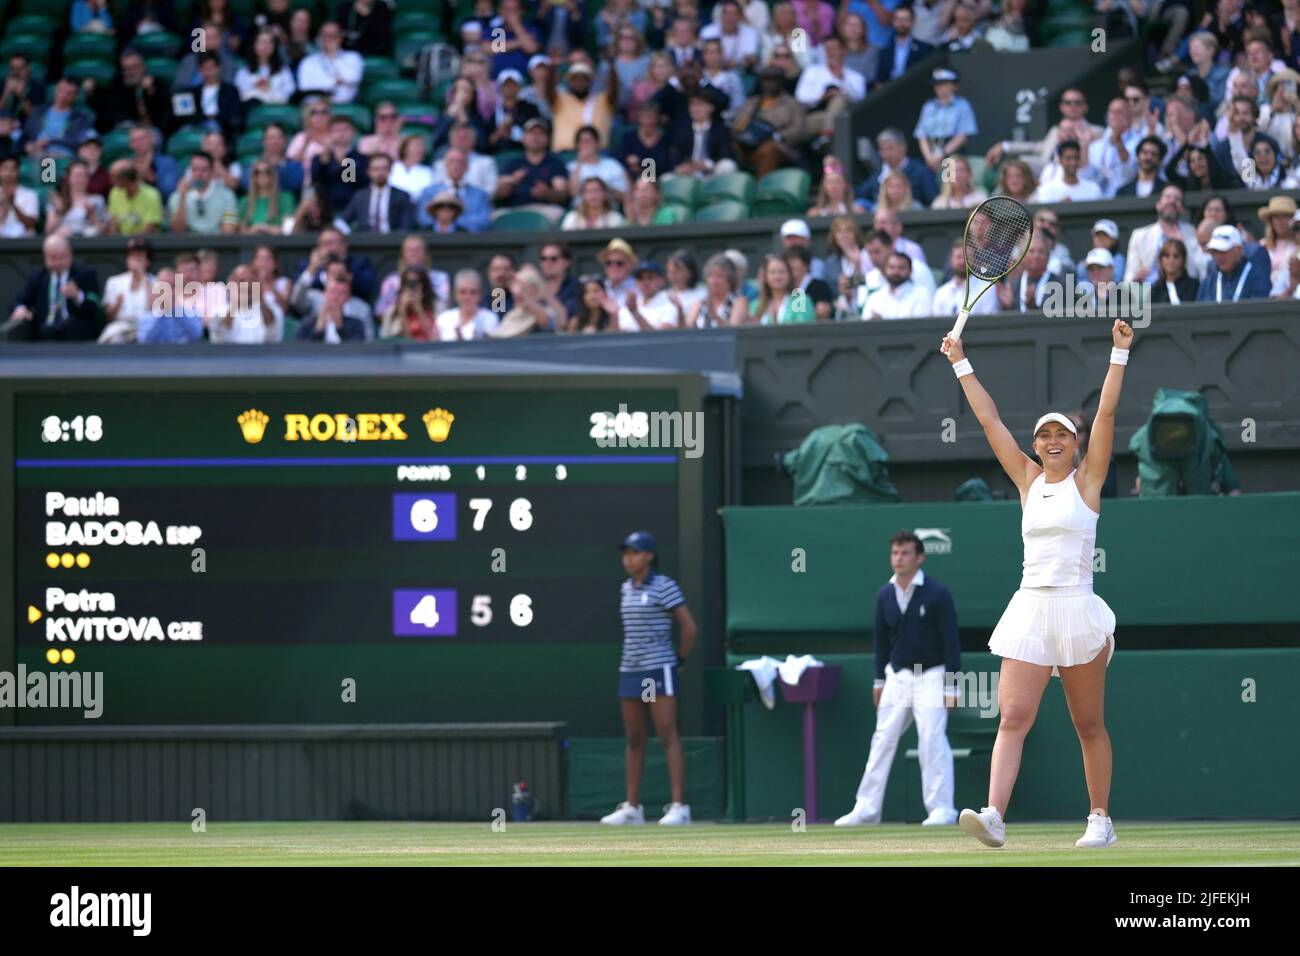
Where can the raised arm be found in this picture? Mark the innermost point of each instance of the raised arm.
(1020, 468)
(1101, 438)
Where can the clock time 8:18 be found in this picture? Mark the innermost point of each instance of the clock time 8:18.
(80, 428)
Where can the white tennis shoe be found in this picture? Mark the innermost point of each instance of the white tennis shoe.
(985, 826)
(676, 815)
(625, 815)
(857, 817)
(939, 817)
(1100, 833)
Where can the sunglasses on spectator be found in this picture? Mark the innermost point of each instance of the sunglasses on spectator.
(550, 258)
(384, 116)
(318, 112)
(1073, 101)
(616, 263)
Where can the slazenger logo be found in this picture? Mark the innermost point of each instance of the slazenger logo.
(936, 540)
(75, 909)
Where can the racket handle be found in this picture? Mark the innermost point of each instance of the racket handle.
(962, 316)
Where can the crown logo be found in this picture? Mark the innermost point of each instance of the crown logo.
(253, 424)
(438, 422)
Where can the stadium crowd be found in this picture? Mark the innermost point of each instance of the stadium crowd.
(281, 117)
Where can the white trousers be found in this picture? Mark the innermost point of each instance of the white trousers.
(905, 696)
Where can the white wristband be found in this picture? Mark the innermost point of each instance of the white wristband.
(1118, 356)
(962, 368)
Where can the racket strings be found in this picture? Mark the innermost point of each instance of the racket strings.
(996, 238)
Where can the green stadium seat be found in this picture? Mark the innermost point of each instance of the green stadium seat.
(417, 21)
(33, 46)
(157, 43)
(48, 8)
(101, 71)
(792, 184)
(977, 169)
(186, 141)
(290, 329)
(522, 220)
(32, 24)
(90, 46)
(360, 116)
(683, 190)
(673, 214)
(378, 68)
(285, 115)
(1070, 38)
(725, 211)
(731, 187)
(161, 68)
(396, 90)
(116, 144)
(249, 143)
(504, 159)
(416, 113)
(406, 49)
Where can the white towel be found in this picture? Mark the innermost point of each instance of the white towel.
(794, 667)
(765, 670)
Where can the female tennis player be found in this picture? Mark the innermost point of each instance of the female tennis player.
(651, 601)
(1055, 626)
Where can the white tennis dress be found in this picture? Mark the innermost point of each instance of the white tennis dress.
(1055, 619)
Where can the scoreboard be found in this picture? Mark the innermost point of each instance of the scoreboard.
(239, 554)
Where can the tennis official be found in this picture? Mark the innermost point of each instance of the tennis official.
(650, 602)
(916, 642)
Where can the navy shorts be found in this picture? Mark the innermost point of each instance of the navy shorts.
(632, 685)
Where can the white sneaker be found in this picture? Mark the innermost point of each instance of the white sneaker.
(985, 826)
(676, 815)
(625, 815)
(857, 817)
(939, 817)
(1100, 832)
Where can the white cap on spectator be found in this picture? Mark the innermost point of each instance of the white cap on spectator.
(943, 75)
(579, 67)
(796, 227)
(1224, 238)
(510, 75)
(538, 59)
(1099, 257)
(1107, 226)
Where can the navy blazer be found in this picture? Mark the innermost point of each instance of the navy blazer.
(916, 52)
(925, 635)
(82, 320)
(401, 214)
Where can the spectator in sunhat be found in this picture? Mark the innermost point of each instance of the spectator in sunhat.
(947, 121)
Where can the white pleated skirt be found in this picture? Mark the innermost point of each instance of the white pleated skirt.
(1055, 627)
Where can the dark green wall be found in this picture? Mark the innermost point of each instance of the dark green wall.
(1168, 561)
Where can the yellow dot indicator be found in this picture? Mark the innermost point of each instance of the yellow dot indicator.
(83, 560)
(68, 655)
(67, 559)
(51, 560)
(52, 655)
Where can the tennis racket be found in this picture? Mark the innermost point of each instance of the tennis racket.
(998, 233)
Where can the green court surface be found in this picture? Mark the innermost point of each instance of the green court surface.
(590, 844)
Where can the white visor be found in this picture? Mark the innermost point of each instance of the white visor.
(1056, 417)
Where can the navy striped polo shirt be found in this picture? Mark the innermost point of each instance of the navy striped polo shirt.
(648, 622)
